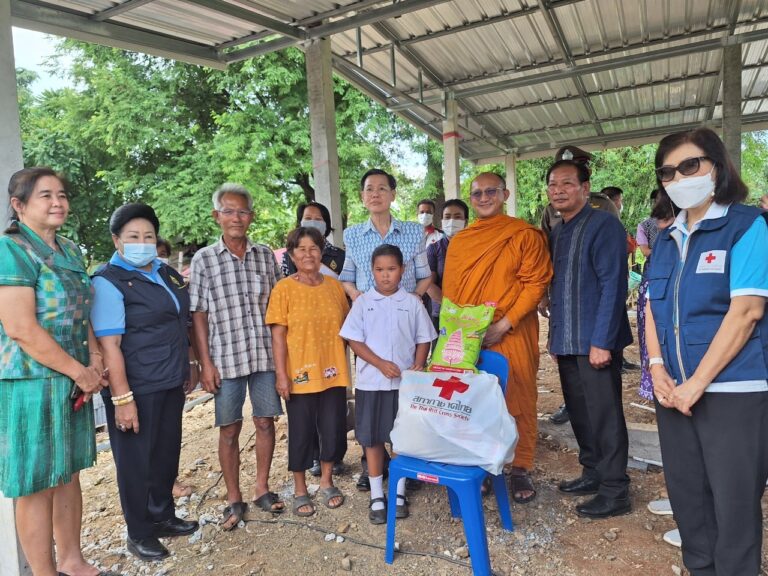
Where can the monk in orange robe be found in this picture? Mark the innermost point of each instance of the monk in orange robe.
(505, 260)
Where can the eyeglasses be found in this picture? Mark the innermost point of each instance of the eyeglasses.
(229, 212)
(379, 191)
(687, 167)
(489, 192)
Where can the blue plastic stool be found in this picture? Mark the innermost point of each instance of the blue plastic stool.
(464, 485)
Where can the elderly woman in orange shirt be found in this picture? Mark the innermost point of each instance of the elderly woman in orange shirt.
(306, 312)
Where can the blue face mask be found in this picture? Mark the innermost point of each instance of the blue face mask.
(316, 224)
(139, 254)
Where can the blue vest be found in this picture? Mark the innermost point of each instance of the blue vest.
(701, 300)
(155, 345)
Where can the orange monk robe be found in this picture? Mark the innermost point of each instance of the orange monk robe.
(506, 260)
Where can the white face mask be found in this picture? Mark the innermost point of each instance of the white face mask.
(425, 219)
(318, 225)
(691, 192)
(163, 259)
(450, 227)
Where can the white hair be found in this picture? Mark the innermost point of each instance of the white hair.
(231, 188)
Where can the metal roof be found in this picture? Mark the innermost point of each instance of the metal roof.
(528, 75)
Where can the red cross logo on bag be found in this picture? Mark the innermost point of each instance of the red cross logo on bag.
(450, 386)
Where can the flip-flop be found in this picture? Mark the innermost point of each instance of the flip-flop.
(235, 510)
(267, 501)
(521, 483)
(660, 507)
(300, 502)
(328, 494)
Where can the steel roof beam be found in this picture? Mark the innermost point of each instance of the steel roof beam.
(592, 55)
(75, 25)
(557, 33)
(604, 65)
(118, 9)
(503, 17)
(362, 19)
(250, 16)
(760, 118)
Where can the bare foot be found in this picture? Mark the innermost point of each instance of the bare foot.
(180, 489)
(81, 568)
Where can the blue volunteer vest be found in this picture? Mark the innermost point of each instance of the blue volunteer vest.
(155, 345)
(698, 291)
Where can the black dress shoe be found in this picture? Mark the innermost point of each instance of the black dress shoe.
(602, 507)
(174, 527)
(579, 486)
(363, 483)
(147, 548)
(561, 416)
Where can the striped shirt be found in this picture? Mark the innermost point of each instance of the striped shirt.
(362, 239)
(235, 294)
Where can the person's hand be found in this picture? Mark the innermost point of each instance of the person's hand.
(683, 397)
(496, 332)
(599, 357)
(417, 367)
(88, 379)
(355, 295)
(543, 307)
(127, 417)
(764, 202)
(389, 369)
(283, 387)
(210, 379)
(663, 385)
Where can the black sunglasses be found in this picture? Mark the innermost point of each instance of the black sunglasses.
(687, 167)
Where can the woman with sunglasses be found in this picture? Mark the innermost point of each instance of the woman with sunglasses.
(707, 338)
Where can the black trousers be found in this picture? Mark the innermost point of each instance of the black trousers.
(716, 466)
(319, 416)
(593, 399)
(147, 463)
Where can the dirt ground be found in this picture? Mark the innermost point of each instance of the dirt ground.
(549, 538)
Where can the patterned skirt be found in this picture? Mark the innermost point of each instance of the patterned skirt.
(42, 441)
(646, 384)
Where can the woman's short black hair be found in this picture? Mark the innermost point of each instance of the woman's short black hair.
(22, 184)
(378, 172)
(295, 237)
(729, 187)
(460, 203)
(323, 212)
(428, 202)
(387, 250)
(581, 169)
(128, 212)
(162, 242)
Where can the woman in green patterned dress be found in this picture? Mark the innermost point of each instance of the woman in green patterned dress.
(46, 345)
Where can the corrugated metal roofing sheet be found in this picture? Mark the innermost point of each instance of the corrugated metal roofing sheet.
(526, 79)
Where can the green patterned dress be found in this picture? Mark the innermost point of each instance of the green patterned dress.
(42, 440)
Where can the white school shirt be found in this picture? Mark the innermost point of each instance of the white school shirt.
(391, 326)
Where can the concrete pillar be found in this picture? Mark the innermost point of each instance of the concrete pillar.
(451, 148)
(510, 165)
(322, 113)
(12, 561)
(732, 103)
(10, 131)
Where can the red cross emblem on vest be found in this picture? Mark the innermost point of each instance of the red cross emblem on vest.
(710, 258)
(450, 386)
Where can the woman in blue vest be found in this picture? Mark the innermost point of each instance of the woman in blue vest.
(707, 337)
(141, 318)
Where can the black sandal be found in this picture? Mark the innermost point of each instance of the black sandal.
(521, 482)
(266, 503)
(235, 510)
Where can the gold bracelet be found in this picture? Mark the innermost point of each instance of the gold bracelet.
(126, 395)
(122, 402)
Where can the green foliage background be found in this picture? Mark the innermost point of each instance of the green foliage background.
(136, 127)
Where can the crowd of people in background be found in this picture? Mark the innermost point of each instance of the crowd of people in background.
(280, 334)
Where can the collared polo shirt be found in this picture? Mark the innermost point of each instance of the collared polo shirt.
(108, 312)
(391, 326)
(235, 294)
(362, 239)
